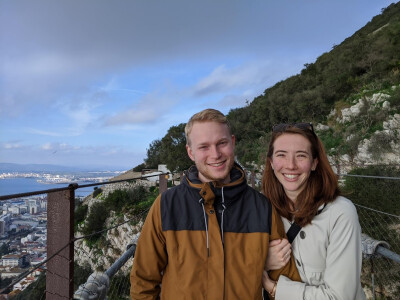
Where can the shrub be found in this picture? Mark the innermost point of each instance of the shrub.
(118, 200)
(97, 191)
(95, 220)
(80, 214)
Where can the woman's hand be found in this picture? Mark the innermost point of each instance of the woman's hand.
(278, 254)
(268, 284)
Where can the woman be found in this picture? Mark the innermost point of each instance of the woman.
(302, 186)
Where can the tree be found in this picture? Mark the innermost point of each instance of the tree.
(153, 155)
(173, 149)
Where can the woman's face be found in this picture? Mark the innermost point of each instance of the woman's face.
(292, 163)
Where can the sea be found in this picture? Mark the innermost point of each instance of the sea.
(19, 185)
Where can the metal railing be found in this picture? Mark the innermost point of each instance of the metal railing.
(380, 265)
(60, 237)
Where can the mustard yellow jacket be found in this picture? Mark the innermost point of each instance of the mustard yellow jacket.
(204, 241)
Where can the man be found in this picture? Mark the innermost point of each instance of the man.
(208, 237)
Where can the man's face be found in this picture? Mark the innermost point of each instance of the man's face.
(212, 150)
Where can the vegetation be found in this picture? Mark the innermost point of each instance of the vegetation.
(95, 220)
(371, 195)
(119, 287)
(122, 202)
(37, 289)
(363, 64)
(34, 291)
(97, 191)
(4, 249)
(140, 167)
(376, 195)
(81, 274)
(80, 214)
(170, 150)
(4, 282)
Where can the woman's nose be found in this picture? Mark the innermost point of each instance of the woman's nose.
(291, 163)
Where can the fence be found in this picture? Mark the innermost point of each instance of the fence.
(377, 199)
(58, 276)
(97, 253)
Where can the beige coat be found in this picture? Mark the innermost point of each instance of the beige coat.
(328, 256)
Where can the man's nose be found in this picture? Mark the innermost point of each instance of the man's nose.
(215, 152)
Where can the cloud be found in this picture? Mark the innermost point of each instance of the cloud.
(58, 49)
(59, 147)
(44, 132)
(115, 157)
(223, 79)
(11, 145)
(149, 108)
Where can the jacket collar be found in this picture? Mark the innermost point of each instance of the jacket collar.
(209, 190)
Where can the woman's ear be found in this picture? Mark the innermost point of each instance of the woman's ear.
(314, 164)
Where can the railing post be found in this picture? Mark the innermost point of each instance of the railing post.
(60, 231)
(162, 183)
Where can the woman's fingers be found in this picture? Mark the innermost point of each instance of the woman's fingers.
(274, 243)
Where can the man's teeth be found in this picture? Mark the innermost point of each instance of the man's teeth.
(290, 176)
(217, 164)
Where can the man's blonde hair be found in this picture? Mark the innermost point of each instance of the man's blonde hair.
(207, 115)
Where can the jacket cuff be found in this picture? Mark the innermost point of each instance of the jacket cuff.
(288, 289)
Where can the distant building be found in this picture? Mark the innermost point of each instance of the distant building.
(23, 209)
(11, 272)
(152, 175)
(43, 205)
(4, 224)
(15, 210)
(14, 260)
(3, 228)
(37, 260)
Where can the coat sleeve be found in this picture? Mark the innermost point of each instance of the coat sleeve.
(150, 257)
(343, 263)
(278, 232)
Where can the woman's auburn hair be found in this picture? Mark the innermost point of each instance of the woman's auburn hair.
(321, 187)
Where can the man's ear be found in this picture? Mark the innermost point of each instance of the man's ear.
(189, 152)
(233, 140)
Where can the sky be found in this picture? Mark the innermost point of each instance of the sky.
(92, 83)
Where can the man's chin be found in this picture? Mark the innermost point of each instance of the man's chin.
(220, 177)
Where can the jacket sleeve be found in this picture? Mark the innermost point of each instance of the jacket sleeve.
(278, 232)
(343, 263)
(150, 257)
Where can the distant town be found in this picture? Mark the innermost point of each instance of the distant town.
(63, 178)
(23, 224)
(23, 235)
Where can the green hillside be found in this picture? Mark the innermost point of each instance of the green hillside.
(367, 62)
(364, 64)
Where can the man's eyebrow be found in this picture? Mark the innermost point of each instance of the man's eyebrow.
(203, 144)
(223, 139)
